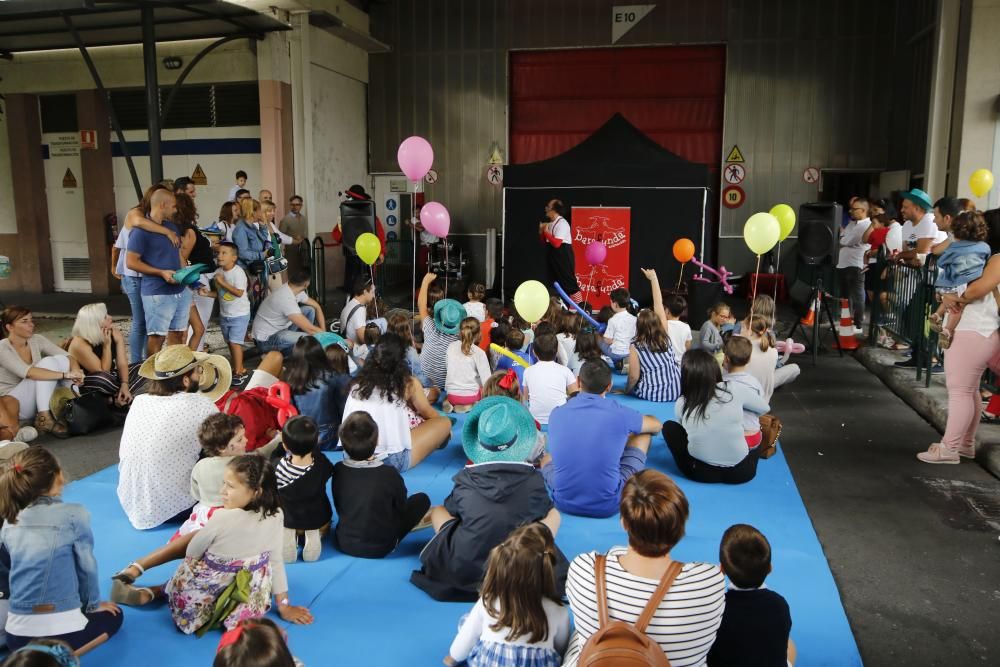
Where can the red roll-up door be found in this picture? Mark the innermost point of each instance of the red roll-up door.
(673, 93)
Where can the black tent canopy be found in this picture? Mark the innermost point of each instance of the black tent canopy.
(618, 165)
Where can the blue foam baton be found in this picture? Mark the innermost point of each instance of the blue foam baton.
(573, 306)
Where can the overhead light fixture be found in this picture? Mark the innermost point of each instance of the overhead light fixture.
(172, 62)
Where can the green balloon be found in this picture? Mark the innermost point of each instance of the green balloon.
(761, 232)
(786, 219)
(531, 300)
(368, 248)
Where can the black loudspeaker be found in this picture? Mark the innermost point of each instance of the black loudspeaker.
(356, 218)
(819, 232)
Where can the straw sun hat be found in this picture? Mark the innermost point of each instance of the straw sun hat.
(174, 360)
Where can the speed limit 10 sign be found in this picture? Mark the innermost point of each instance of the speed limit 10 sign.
(733, 196)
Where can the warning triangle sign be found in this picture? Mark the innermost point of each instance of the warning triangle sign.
(69, 180)
(198, 176)
(735, 155)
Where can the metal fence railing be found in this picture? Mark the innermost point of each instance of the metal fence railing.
(904, 300)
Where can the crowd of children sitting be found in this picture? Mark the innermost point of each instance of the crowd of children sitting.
(541, 435)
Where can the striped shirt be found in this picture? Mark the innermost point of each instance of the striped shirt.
(659, 374)
(685, 623)
(287, 472)
(434, 353)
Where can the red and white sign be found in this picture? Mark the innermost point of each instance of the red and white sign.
(88, 140)
(612, 227)
(810, 175)
(734, 173)
(733, 196)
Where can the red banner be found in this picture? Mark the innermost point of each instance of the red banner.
(611, 227)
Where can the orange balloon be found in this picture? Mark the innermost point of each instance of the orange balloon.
(683, 250)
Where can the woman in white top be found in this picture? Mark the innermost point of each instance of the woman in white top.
(653, 513)
(975, 346)
(30, 369)
(409, 429)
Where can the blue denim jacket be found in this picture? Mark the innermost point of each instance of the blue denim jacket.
(52, 566)
(325, 404)
(961, 263)
(251, 242)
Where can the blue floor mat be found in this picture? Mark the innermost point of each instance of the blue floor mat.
(367, 612)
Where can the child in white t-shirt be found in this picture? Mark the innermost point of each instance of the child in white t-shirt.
(621, 328)
(546, 382)
(678, 332)
(468, 368)
(234, 305)
(475, 307)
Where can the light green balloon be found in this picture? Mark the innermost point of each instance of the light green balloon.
(531, 300)
(786, 219)
(761, 232)
(368, 248)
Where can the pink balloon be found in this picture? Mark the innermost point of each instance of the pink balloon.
(435, 219)
(596, 252)
(415, 157)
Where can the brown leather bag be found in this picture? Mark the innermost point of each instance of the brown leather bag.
(620, 644)
(770, 430)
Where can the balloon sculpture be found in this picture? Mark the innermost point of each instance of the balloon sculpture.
(574, 306)
(531, 300)
(415, 157)
(279, 396)
(368, 248)
(980, 182)
(435, 219)
(721, 274)
(507, 353)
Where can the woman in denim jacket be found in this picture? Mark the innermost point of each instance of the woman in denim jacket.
(52, 571)
(251, 237)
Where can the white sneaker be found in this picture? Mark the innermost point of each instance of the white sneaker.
(313, 547)
(858, 331)
(10, 447)
(290, 546)
(26, 434)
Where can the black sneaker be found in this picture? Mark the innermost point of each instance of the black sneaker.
(240, 379)
(937, 369)
(909, 363)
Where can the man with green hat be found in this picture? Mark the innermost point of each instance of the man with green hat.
(920, 232)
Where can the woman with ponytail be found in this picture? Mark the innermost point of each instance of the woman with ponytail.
(54, 590)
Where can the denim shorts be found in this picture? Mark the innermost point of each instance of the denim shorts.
(399, 460)
(166, 312)
(234, 329)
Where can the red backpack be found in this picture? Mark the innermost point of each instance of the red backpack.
(259, 418)
(620, 644)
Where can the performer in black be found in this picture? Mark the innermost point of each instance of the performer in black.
(557, 233)
(350, 228)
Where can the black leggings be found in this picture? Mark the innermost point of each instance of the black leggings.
(699, 471)
(98, 623)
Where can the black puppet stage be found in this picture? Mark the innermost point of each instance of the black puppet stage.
(617, 166)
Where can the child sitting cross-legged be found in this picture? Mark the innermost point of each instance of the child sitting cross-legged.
(756, 622)
(621, 328)
(547, 383)
(302, 475)
(468, 368)
(497, 493)
(373, 507)
(518, 619)
(744, 386)
(512, 340)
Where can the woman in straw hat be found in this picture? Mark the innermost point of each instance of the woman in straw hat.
(159, 444)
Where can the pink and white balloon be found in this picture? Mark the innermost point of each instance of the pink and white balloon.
(415, 157)
(435, 219)
(595, 253)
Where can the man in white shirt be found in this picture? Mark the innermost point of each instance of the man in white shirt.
(851, 262)
(286, 315)
(919, 232)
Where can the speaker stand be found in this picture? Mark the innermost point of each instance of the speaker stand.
(817, 295)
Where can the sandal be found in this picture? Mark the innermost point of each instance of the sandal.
(123, 576)
(47, 424)
(132, 596)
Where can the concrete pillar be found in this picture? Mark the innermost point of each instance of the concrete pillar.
(277, 167)
(34, 252)
(942, 98)
(98, 189)
(978, 104)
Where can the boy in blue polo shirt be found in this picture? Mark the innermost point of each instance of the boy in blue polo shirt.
(595, 445)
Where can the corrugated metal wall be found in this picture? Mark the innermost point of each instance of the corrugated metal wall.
(808, 84)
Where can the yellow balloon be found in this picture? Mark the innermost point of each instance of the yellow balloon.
(786, 219)
(761, 232)
(531, 300)
(368, 248)
(980, 182)
(507, 353)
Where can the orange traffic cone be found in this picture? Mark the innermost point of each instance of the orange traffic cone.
(810, 317)
(846, 333)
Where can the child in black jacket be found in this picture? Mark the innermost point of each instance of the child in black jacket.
(374, 510)
(302, 475)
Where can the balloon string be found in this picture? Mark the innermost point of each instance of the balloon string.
(446, 267)
(681, 276)
(777, 271)
(371, 268)
(590, 284)
(754, 290)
